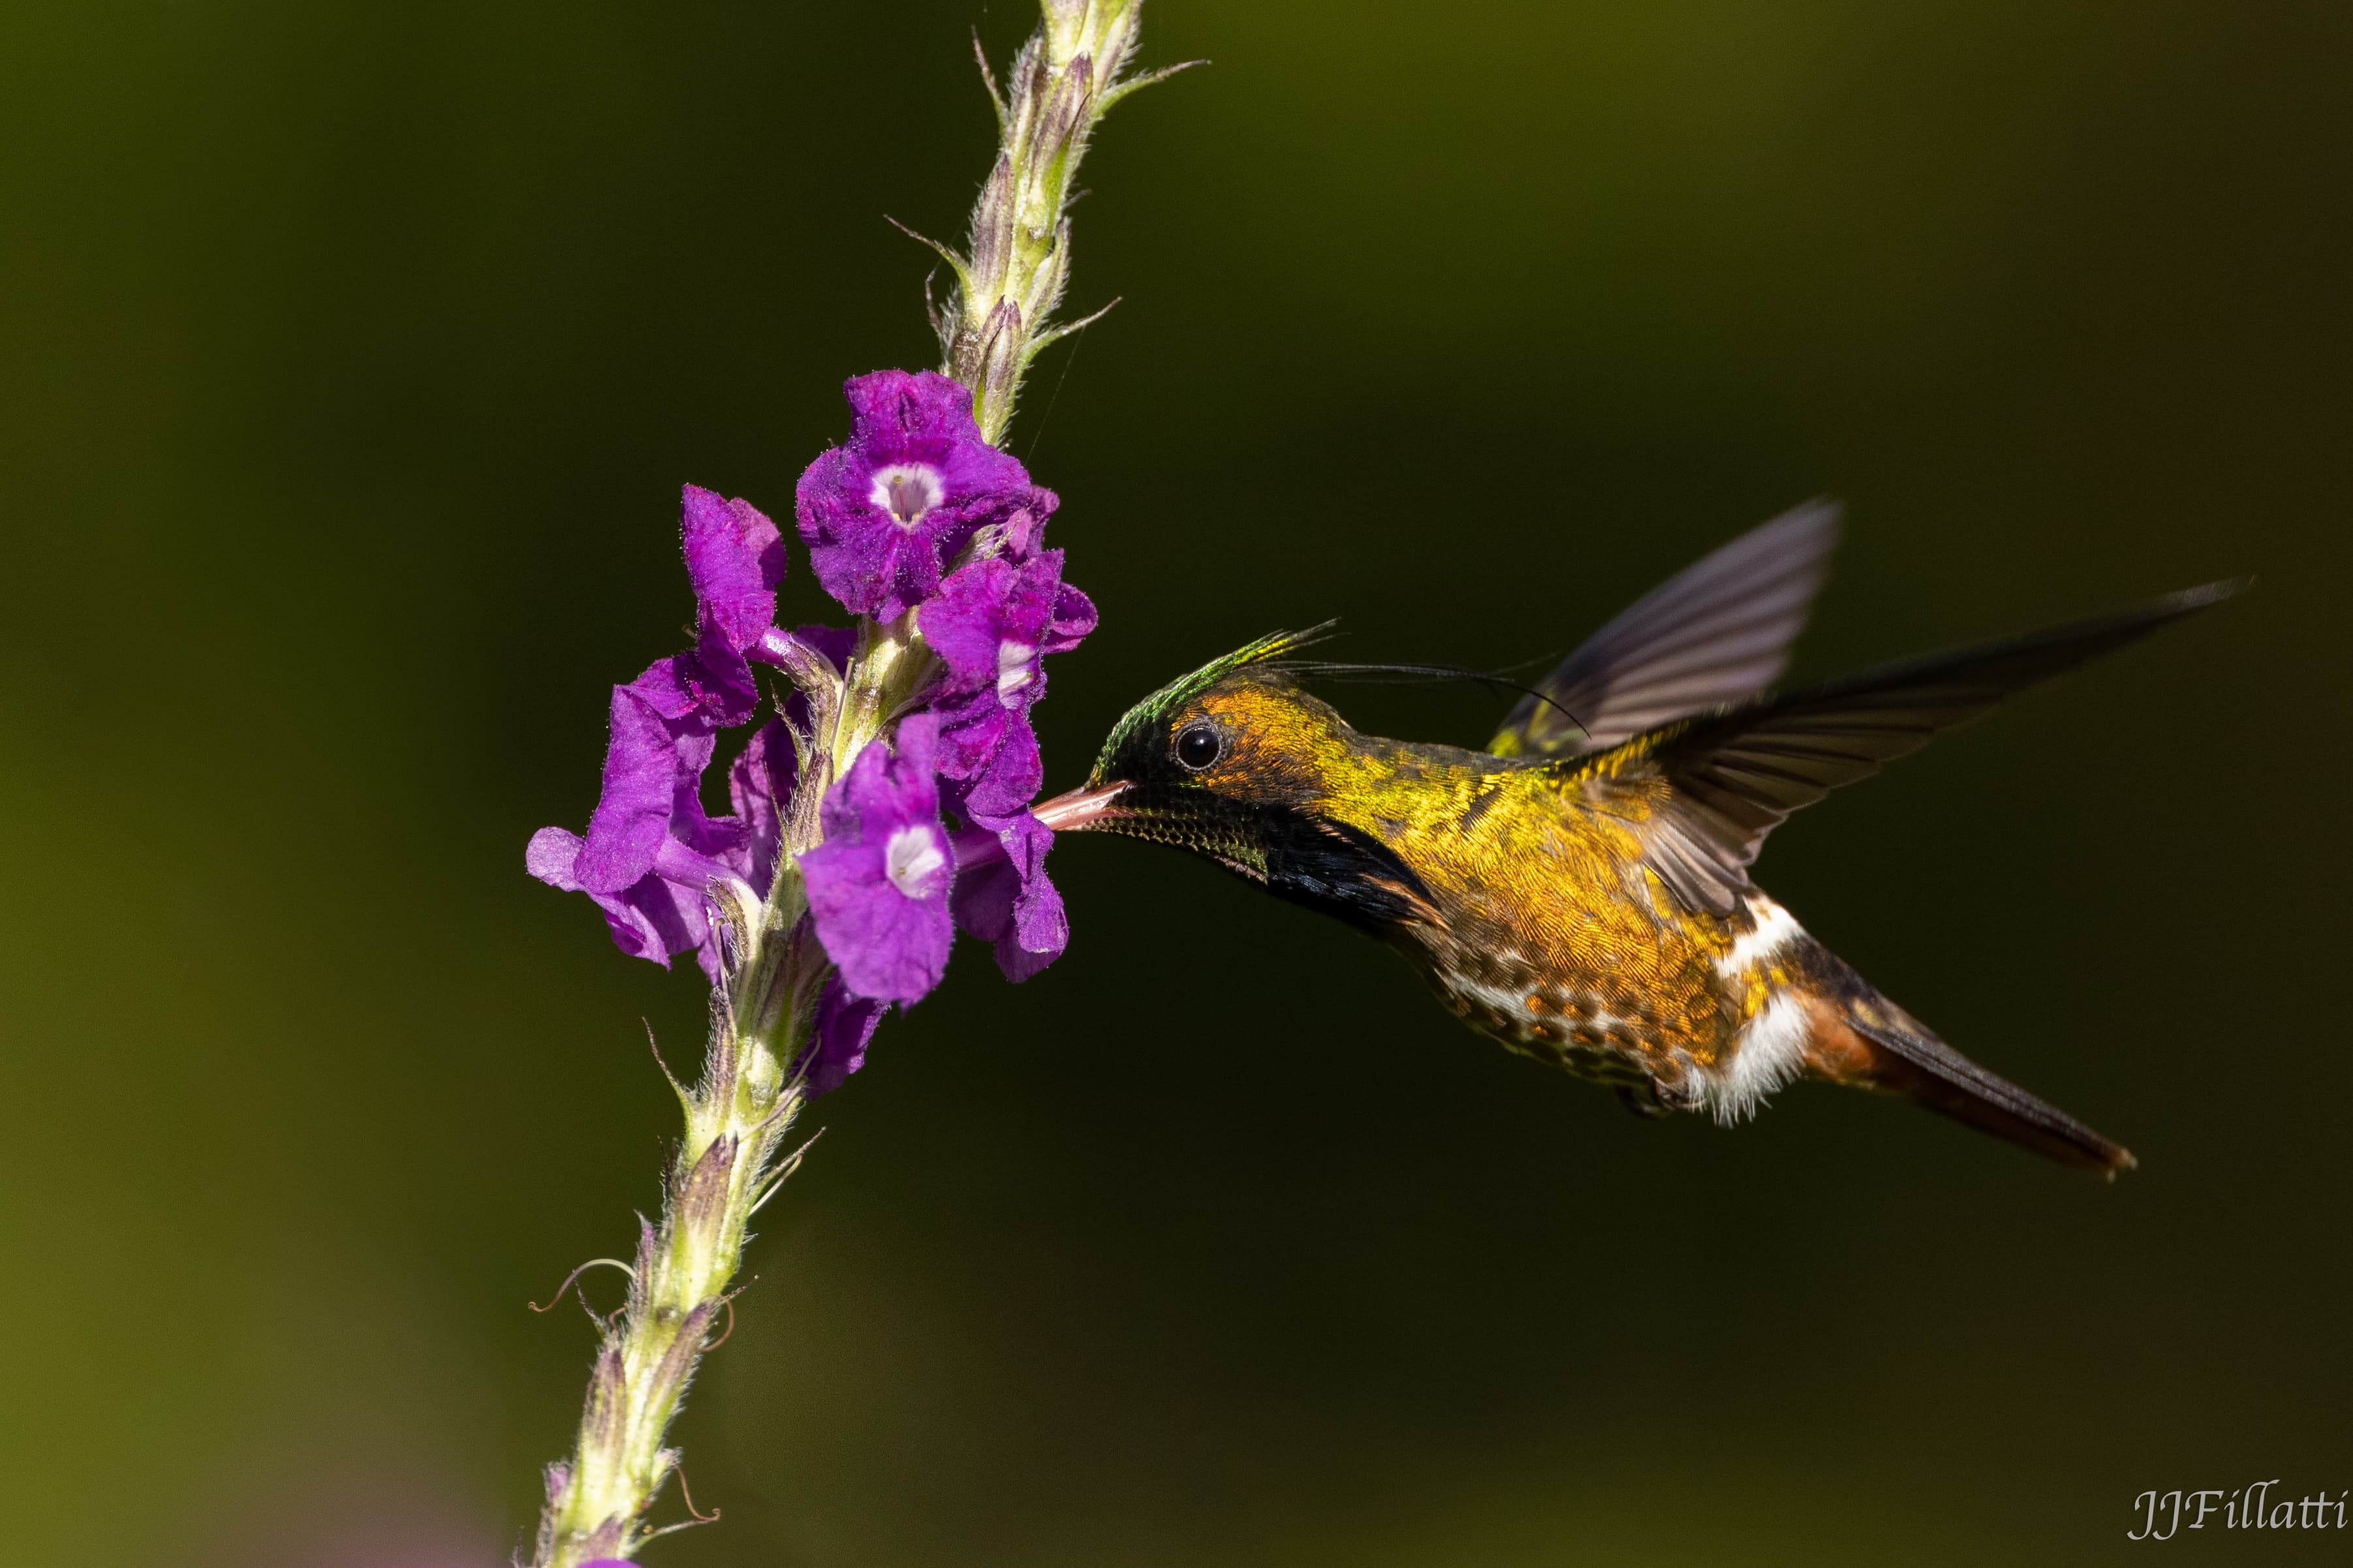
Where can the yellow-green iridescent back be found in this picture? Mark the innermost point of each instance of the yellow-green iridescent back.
(1539, 924)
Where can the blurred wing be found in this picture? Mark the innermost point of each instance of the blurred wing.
(1731, 778)
(1716, 633)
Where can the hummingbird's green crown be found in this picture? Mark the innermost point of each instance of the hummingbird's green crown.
(1156, 710)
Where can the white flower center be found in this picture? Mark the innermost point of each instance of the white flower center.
(914, 859)
(907, 490)
(1012, 668)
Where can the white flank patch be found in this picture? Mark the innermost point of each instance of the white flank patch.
(914, 859)
(1775, 927)
(1012, 668)
(1768, 1054)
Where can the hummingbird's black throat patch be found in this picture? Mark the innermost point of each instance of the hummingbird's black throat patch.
(1306, 860)
(1342, 872)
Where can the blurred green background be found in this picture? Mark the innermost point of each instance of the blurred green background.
(350, 357)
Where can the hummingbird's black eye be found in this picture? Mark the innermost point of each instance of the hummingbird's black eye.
(1199, 746)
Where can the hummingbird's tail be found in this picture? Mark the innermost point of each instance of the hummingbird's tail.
(1861, 1038)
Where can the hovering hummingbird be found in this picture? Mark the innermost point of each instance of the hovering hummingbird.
(1579, 890)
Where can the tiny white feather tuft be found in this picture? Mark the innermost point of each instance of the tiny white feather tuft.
(1775, 928)
(1769, 1053)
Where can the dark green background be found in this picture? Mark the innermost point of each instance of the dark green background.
(350, 357)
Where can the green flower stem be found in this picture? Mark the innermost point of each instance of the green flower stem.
(890, 666)
(739, 1121)
(1015, 263)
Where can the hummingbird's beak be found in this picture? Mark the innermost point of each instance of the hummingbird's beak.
(1075, 811)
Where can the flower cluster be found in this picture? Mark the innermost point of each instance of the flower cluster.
(932, 537)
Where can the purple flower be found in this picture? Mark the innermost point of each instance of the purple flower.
(992, 624)
(878, 886)
(912, 486)
(1010, 902)
(652, 852)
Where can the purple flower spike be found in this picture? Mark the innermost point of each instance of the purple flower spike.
(911, 487)
(992, 624)
(1012, 902)
(878, 886)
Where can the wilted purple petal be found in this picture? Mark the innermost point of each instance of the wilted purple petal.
(735, 559)
(972, 730)
(620, 863)
(1012, 903)
(1008, 782)
(665, 689)
(838, 1045)
(642, 762)
(1073, 617)
(759, 784)
(719, 679)
(1023, 530)
(1041, 929)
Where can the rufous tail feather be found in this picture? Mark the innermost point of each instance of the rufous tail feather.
(1863, 1039)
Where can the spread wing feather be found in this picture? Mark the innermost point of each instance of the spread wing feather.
(1734, 776)
(1717, 632)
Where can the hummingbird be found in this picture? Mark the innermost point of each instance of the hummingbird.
(1580, 890)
